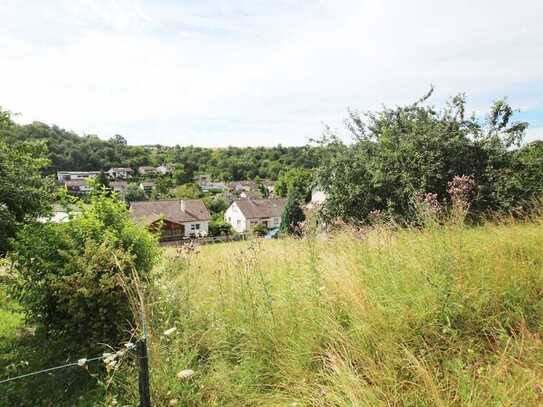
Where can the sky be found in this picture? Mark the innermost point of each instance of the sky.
(260, 72)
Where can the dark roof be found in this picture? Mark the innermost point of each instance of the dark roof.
(261, 208)
(177, 211)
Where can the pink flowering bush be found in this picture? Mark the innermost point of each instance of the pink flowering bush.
(461, 189)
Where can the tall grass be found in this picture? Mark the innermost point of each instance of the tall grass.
(438, 317)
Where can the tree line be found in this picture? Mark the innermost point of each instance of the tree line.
(69, 151)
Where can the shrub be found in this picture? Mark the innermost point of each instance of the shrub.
(219, 227)
(260, 230)
(71, 278)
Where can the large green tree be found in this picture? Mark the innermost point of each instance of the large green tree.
(25, 194)
(402, 151)
(297, 181)
(293, 216)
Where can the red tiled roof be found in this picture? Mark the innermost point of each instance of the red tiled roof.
(261, 208)
(178, 211)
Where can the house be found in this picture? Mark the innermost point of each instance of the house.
(164, 169)
(147, 186)
(175, 219)
(245, 214)
(120, 172)
(75, 175)
(147, 170)
(119, 186)
(77, 187)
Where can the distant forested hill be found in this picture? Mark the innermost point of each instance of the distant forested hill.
(68, 151)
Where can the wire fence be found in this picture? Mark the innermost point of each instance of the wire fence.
(107, 356)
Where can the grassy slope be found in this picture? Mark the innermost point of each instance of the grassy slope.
(443, 317)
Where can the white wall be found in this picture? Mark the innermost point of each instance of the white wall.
(235, 218)
(202, 231)
(275, 222)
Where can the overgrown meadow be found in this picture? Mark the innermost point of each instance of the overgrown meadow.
(434, 317)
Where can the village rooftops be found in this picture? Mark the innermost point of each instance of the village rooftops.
(177, 211)
(261, 208)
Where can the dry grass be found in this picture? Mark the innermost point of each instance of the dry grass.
(437, 317)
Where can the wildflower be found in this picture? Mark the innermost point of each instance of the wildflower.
(129, 345)
(173, 402)
(185, 374)
(82, 362)
(170, 331)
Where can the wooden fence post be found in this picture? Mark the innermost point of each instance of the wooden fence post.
(145, 395)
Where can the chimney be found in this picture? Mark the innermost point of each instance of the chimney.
(183, 209)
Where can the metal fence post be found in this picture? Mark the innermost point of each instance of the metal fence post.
(145, 395)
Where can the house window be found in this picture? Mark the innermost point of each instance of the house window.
(195, 226)
(239, 222)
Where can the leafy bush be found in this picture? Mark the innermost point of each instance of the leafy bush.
(71, 278)
(293, 216)
(188, 191)
(219, 227)
(417, 148)
(260, 230)
(24, 193)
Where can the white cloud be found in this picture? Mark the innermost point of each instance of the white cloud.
(253, 72)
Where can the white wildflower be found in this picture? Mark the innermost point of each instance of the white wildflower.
(185, 374)
(173, 402)
(170, 331)
(82, 362)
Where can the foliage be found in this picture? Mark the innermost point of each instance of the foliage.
(297, 181)
(102, 180)
(219, 227)
(216, 204)
(263, 190)
(183, 174)
(24, 350)
(68, 151)
(134, 193)
(417, 149)
(70, 278)
(163, 185)
(188, 191)
(260, 230)
(24, 193)
(529, 166)
(293, 215)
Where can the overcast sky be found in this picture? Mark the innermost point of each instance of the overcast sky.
(259, 72)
